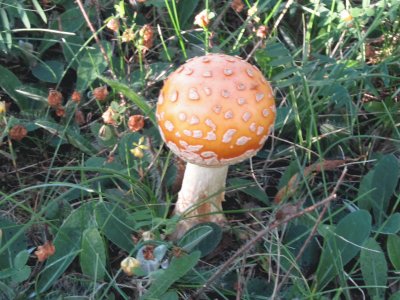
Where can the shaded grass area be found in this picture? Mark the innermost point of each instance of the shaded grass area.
(313, 216)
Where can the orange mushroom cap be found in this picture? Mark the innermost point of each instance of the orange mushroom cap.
(215, 110)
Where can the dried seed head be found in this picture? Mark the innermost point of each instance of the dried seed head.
(135, 123)
(237, 5)
(54, 98)
(45, 251)
(60, 111)
(18, 132)
(113, 24)
(262, 32)
(129, 264)
(79, 117)
(128, 35)
(203, 18)
(147, 34)
(100, 93)
(109, 117)
(76, 97)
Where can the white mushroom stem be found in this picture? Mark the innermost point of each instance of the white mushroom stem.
(201, 195)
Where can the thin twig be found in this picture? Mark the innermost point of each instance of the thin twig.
(274, 224)
(96, 38)
(311, 235)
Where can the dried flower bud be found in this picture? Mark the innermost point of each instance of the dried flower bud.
(128, 35)
(129, 264)
(2, 107)
(113, 24)
(60, 111)
(135, 123)
(76, 97)
(54, 98)
(100, 93)
(79, 117)
(109, 116)
(18, 132)
(262, 32)
(147, 34)
(148, 236)
(252, 13)
(203, 18)
(237, 5)
(45, 251)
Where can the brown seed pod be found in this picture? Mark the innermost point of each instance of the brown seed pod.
(76, 97)
(18, 132)
(54, 98)
(100, 93)
(135, 123)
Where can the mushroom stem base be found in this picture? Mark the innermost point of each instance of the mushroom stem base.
(200, 198)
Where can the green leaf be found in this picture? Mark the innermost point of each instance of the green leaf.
(131, 95)
(177, 268)
(92, 65)
(10, 83)
(170, 295)
(23, 16)
(21, 259)
(72, 50)
(39, 10)
(116, 225)
(395, 296)
(6, 25)
(250, 188)
(391, 225)
(393, 249)
(93, 255)
(68, 244)
(342, 245)
(49, 71)
(185, 12)
(374, 268)
(12, 242)
(203, 237)
(384, 182)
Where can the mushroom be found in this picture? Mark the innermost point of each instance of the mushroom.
(213, 111)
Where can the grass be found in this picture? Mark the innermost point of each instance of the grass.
(101, 193)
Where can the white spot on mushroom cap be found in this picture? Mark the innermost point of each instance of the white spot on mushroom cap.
(265, 112)
(208, 154)
(260, 130)
(211, 136)
(273, 108)
(263, 139)
(197, 134)
(161, 99)
(217, 108)
(228, 114)
(241, 101)
(250, 72)
(194, 120)
(207, 91)
(253, 127)
(182, 116)
(183, 143)
(188, 71)
(193, 94)
(177, 134)
(173, 147)
(259, 97)
(207, 74)
(225, 93)
(211, 124)
(194, 148)
(242, 140)
(168, 125)
(174, 96)
(187, 132)
(227, 137)
(240, 86)
(246, 116)
(228, 72)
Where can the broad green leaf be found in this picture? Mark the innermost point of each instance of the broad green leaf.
(131, 95)
(178, 267)
(115, 224)
(393, 249)
(39, 10)
(12, 242)
(23, 16)
(342, 245)
(10, 83)
(395, 296)
(170, 295)
(203, 237)
(93, 255)
(185, 12)
(391, 225)
(6, 25)
(364, 192)
(91, 65)
(384, 182)
(374, 268)
(49, 71)
(72, 50)
(250, 188)
(68, 244)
